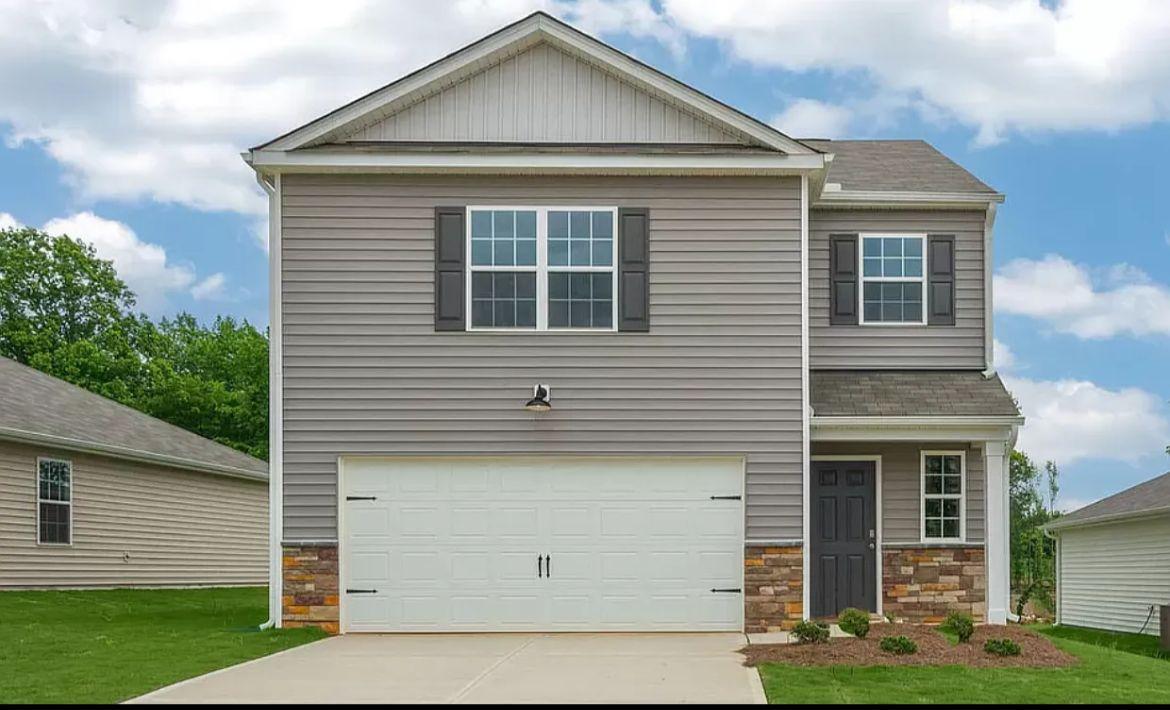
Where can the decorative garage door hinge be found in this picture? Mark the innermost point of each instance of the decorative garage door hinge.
(361, 591)
(361, 497)
(727, 591)
(726, 497)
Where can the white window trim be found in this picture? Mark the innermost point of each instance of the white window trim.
(961, 496)
(541, 269)
(891, 279)
(37, 479)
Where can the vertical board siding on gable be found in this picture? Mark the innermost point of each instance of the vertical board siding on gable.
(544, 95)
(366, 373)
(180, 528)
(902, 484)
(954, 347)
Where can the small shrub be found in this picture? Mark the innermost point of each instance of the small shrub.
(854, 621)
(891, 617)
(959, 624)
(899, 645)
(811, 632)
(1002, 647)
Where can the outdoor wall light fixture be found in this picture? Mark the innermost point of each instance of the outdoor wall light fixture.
(540, 399)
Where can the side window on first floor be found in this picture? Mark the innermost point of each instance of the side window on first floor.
(943, 487)
(54, 502)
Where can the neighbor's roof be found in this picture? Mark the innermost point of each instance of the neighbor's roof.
(895, 166)
(898, 393)
(1149, 497)
(40, 409)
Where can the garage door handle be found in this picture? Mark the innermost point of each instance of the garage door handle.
(727, 591)
(726, 497)
(361, 497)
(539, 562)
(361, 591)
(548, 566)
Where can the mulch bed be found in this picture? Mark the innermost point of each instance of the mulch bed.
(934, 649)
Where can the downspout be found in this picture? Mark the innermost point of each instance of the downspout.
(988, 304)
(275, 477)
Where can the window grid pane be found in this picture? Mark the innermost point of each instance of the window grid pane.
(888, 265)
(893, 302)
(54, 480)
(503, 299)
(580, 238)
(942, 503)
(503, 238)
(580, 300)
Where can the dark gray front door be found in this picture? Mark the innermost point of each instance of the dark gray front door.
(844, 537)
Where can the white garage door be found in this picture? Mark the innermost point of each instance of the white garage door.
(538, 544)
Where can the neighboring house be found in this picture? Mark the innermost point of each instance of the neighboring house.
(95, 494)
(772, 393)
(1113, 560)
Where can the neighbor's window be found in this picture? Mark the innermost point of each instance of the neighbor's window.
(892, 279)
(542, 268)
(943, 481)
(54, 501)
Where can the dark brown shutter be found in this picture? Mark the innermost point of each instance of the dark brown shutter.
(634, 269)
(450, 262)
(940, 276)
(843, 279)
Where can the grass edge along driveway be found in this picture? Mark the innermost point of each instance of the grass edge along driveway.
(105, 646)
(1104, 675)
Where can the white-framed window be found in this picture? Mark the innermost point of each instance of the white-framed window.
(54, 502)
(944, 485)
(542, 268)
(893, 279)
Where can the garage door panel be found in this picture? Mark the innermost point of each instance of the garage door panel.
(452, 545)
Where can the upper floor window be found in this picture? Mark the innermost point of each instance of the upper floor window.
(893, 280)
(943, 487)
(54, 502)
(542, 268)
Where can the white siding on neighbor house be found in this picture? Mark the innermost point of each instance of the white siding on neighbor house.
(365, 372)
(902, 485)
(544, 95)
(871, 347)
(178, 528)
(1110, 574)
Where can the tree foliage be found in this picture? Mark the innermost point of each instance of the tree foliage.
(1033, 554)
(66, 312)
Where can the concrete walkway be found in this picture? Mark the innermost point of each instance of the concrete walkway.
(486, 668)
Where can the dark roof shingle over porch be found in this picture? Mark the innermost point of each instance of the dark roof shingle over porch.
(902, 393)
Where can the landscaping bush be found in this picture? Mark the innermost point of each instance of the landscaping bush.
(899, 645)
(1002, 647)
(811, 632)
(854, 621)
(959, 624)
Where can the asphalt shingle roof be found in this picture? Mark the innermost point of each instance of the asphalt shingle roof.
(895, 166)
(904, 393)
(35, 403)
(1149, 496)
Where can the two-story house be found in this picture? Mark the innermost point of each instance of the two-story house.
(562, 343)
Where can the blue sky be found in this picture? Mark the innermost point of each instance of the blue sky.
(1062, 108)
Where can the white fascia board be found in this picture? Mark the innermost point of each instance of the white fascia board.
(523, 163)
(1060, 525)
(524, 33)
(882, 198)
(953, 428)
(126, 453)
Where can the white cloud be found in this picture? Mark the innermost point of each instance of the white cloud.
(1069, 420)
(210, 288)
(1124, 300)
(809, 118)
(1005, 358)
(7, 221)
(995, 65)
(142, 265)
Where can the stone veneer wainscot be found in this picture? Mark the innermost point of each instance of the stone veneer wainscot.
(773, 588)
(923, 584)
(310, 595)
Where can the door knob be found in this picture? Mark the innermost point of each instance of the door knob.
(872, 546)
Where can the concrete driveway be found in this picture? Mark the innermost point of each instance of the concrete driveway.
(486, 668)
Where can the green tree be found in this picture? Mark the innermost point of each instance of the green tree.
(1033, 555)
(66, 312)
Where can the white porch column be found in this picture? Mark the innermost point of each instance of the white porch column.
(998, 550)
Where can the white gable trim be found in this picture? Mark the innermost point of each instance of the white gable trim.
(512, 39)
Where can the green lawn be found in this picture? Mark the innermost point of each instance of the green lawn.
(110, 645)
(1104, 675)
(1142, 644)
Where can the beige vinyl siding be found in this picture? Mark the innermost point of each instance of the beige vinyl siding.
(365, 372)
(902, 485)
(899, 347)
(544, 95)
(1110, 574)
(179, 528)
